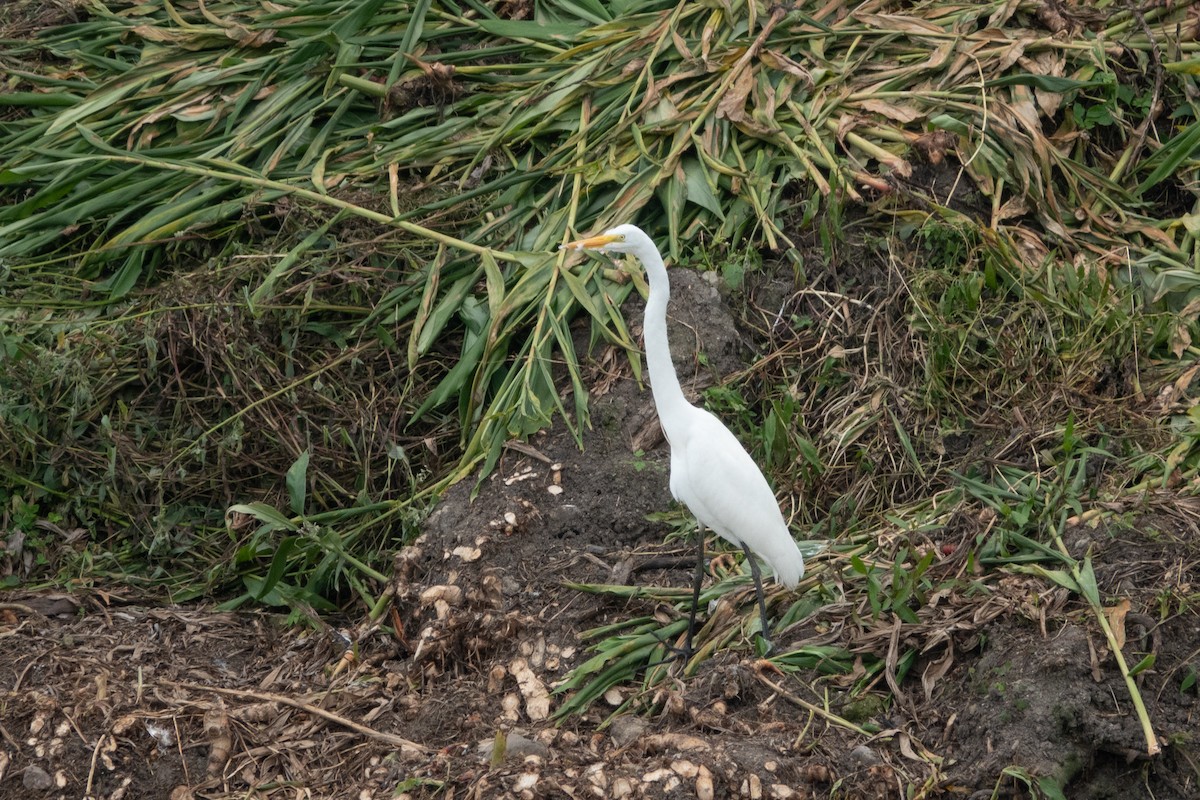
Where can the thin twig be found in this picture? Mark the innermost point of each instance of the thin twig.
(267, 697)
(87, 791)
(799, 701)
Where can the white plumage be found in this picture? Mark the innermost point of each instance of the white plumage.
(711, 472)
(714, 476)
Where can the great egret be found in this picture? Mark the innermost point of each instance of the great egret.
(711, 472)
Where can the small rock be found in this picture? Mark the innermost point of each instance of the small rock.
(516, 748)
(685, 768)
(863, 757)
(782, 792)
(36, 779)
(521, 747)
(626, 729)
(660, 774)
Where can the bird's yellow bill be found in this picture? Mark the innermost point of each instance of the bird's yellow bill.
(591, 243)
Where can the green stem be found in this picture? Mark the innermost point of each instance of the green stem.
(1152, 746)
(308, 194)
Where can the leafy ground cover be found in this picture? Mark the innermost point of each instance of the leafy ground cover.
(274, 278)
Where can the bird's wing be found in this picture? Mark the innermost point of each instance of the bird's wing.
(716, 478)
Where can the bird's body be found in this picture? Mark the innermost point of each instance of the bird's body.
(714, 476)
(711, 472)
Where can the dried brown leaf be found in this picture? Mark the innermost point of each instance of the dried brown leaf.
(1000, 59)
(1052, 64)
(1116, 620)
(781, 63)
(1023, 105)
(936, 670)
(152, 33)
(1181, 340)
(250, 39)
(894, 111)
(900, 24)
(681, 45)
(1184, 381)
(1016, 206)
(732, 105)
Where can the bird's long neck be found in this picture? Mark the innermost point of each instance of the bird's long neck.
(668, 396)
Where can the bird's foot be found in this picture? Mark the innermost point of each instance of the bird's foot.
(674, 653)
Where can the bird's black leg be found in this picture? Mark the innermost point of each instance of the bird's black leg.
(758, 592)
(696, 581)
(685, 654)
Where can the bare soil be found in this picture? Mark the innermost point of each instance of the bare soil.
(1013, 682)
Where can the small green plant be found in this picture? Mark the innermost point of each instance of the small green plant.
(19, 521)
(1109, 103)
(308, 559)
(906, 590)
(643, 649)
(409, 784)
(1189, 682)
(1041, 787)
(1032, 504)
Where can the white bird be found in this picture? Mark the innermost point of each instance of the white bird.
(711, 472)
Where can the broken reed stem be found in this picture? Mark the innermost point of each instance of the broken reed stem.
(266, 697)
(821, 712)
(1153, 748)
(308, 194)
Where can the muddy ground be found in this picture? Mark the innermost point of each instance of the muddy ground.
(1013, 683)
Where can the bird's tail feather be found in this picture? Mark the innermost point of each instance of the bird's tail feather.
(786, 562)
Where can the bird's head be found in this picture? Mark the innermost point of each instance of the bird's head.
(621, 239)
